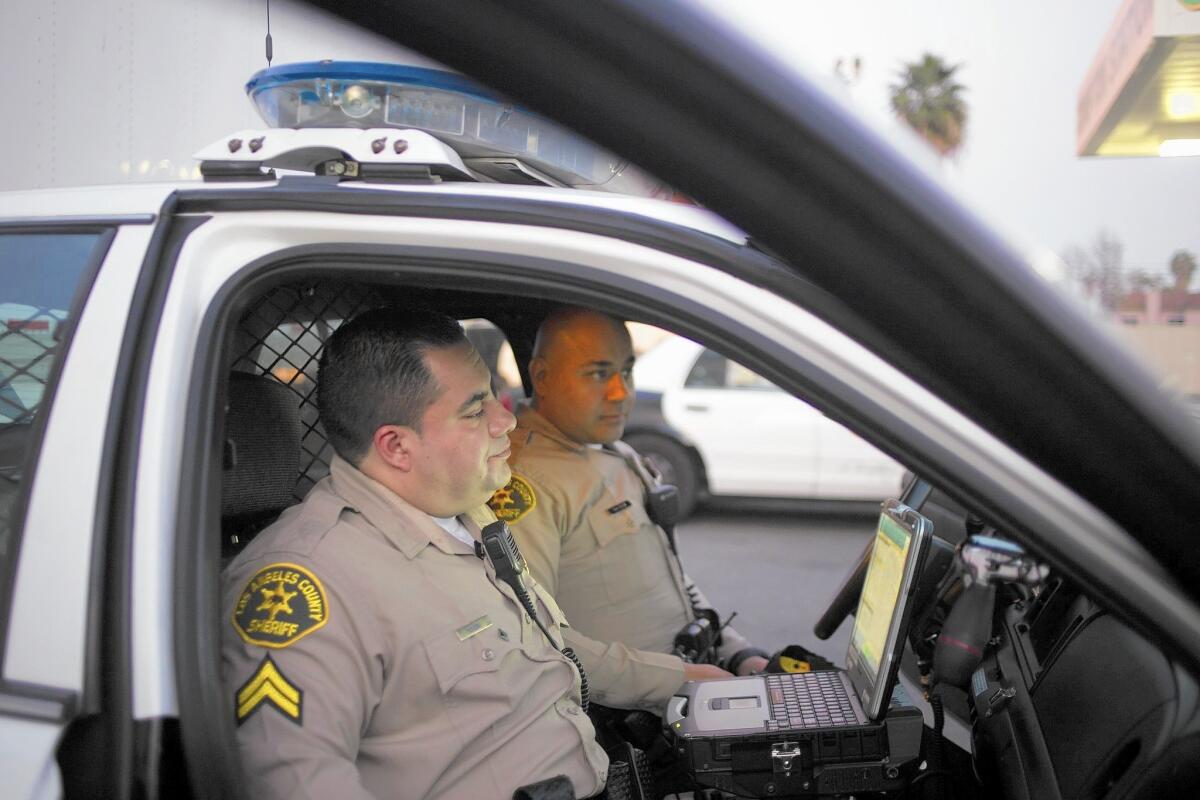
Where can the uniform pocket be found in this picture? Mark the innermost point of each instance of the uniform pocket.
(454, 661)
(611, 518)
(628, 553)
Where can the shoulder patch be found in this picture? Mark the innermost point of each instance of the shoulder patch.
(513, 501)
(280, 605)
(268, 687)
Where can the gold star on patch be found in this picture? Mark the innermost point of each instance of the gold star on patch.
(276, 600)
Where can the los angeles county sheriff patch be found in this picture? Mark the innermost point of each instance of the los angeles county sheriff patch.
(280, 605)
(513, 501)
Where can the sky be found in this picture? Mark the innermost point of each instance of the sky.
(1022, 64)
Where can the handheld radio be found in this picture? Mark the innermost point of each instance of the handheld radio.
(506, 559)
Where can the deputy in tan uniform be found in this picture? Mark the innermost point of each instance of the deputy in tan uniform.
(368, 650)
(577, 507)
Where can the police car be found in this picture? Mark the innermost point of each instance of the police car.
(716, 429)
(160, 340)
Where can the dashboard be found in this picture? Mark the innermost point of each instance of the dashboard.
(1067, 701)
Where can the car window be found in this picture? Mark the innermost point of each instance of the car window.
(738, 377)
(714, 371)
(40, 278)
(708, 371)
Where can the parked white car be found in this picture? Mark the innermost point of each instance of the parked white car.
(715, 428)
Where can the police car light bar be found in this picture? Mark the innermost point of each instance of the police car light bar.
(341, 152)
(495, 139)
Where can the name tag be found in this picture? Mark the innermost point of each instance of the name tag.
(619, 507)
(474, 627)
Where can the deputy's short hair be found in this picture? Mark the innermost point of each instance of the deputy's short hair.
(373, 372)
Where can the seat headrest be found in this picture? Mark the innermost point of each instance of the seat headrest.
(262, 448)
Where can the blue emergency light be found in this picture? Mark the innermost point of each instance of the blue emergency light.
(464, 115)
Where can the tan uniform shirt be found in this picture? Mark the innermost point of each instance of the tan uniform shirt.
(579, 516)
(368, 653)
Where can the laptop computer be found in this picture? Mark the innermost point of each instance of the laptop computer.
(831, 699)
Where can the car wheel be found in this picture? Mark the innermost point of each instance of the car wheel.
(674, 463)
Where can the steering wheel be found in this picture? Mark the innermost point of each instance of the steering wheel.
(914, 496)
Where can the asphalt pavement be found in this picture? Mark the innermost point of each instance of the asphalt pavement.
(778, 570)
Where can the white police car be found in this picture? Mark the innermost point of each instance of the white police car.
(159, 342)
(714, 428)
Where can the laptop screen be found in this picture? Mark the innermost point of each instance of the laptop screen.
(878, 635)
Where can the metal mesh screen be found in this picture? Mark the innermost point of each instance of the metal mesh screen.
(28, 347)
(40, 276)
(282, 336)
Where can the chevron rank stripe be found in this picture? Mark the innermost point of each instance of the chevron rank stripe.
(268, 687)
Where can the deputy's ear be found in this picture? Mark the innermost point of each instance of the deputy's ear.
(537, 374)
(394, 445)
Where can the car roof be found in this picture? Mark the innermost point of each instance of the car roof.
(124, 199)
(85, 201)
(918, 279)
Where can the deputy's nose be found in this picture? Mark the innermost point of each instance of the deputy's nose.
(501, 421)
(619, 387)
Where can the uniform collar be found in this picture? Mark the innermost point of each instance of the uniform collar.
(530, 421)
(408, 528)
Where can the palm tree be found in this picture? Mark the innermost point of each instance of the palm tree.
(1183, 266)
(930, 102)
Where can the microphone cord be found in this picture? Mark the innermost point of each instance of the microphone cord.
(527, 603)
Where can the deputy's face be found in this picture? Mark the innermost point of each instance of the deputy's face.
(584, 382)
(462, 449)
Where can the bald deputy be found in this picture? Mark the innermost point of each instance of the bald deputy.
(367, 650)
(578, 508)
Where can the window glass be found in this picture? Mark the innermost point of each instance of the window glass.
(708, 372)
(739, 377)
(39, 276)
(714, 371)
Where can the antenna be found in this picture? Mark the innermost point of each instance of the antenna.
(270, 44)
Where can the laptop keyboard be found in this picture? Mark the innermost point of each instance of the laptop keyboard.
(808, 700)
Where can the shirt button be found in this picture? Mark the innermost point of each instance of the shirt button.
(488, 654)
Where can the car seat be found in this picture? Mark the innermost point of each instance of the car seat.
(261, 459)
